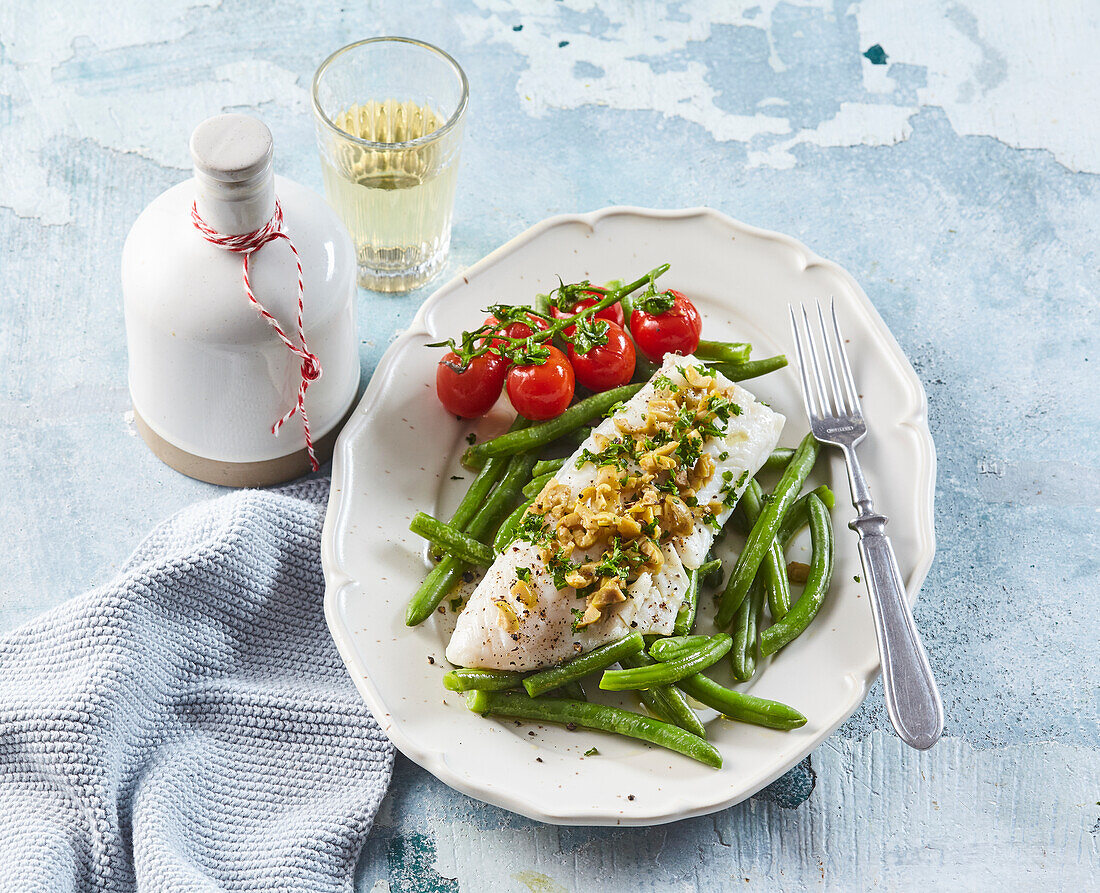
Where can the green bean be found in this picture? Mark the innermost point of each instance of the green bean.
(751, 368)
(798, 515)
(542, 433)
(779, 458)
(725, 351)
(773, 568)
(594, 716)
(644, 368)
(542, 304)
(506, 533)
(547, 466)
(740, 706)
(490, 473)
(710, 572)
(746, 622)
(446, 575)
(673, 671)
(572, 690)
(666, 649)
(534, 486)
(664, 701)
(817, 583)
(627, 303)
(572, 439)
(465, 679)
(764, 530)
(685, 614)
(451, 540)
(604, 656)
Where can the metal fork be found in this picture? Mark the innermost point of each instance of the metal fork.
(836, 417)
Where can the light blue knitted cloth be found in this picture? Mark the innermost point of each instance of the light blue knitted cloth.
(190, 727)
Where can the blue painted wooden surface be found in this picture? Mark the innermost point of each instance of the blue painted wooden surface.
(946, 154)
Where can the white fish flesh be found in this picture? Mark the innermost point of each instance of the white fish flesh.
(544, 633)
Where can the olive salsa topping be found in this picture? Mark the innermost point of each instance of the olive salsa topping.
(643, 496)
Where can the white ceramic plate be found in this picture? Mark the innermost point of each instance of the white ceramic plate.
(399, 450)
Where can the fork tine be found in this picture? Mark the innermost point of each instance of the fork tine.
(849, 381)
(807, 393)
(818, 377)
(838, 392)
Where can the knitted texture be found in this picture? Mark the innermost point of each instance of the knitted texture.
(189, 726)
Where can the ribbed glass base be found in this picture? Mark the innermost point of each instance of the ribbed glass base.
(398, 270)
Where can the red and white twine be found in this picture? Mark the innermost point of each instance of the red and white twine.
(248, 244)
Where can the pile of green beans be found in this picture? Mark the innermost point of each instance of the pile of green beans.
(665, 701)
(798, 618)
(764, 530)
(775, 572)
(669, 671)
(447, 574)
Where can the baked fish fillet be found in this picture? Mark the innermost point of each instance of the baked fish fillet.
(716, 436)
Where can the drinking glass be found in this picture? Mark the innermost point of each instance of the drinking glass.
(389, 114)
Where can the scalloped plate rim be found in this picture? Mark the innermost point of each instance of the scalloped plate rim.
(434, 760)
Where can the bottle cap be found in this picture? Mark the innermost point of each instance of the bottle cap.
(232, 149)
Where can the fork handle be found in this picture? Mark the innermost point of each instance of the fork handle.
(912, 699)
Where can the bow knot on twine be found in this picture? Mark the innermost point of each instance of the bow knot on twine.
(248, 244)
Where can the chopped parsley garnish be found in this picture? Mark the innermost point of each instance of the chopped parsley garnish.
(524, 574)
(560, 567)
(591, 752)
(615, 562)
(471, 438)
(457, 477)
(578, 615)
(618, 453)
(689, 450)
(534, 529)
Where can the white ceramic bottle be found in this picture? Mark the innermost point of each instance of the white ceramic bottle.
(209, 376)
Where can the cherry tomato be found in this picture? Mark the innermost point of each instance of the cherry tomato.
(542, 392)
(470, 393)
(517, 329)
(677, 330)
(614, 313)
(605, 366)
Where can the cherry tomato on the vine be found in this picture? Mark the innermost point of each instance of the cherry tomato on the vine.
(676, 330)
(614, 313)
(543, 391)
(472, 392)
(517, 329)
(605, 366)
